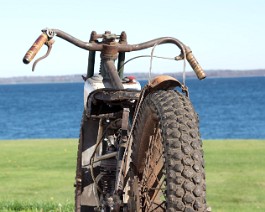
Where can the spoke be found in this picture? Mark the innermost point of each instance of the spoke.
(151, 183)
(155, 165)
(158, 189)
(159, 206)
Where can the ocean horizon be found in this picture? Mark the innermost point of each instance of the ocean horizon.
(229, 108)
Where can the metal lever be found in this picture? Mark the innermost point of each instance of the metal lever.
(49, 45)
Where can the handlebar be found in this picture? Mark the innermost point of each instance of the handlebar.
(36, 46)
(195, 64)
(109, 48)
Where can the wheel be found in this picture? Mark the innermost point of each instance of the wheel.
(167, 157)
(84, 196)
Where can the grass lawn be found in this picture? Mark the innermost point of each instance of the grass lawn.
(38, 175)
(235, 175)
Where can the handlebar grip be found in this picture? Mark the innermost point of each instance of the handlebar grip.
(35, 48)
(195, 66)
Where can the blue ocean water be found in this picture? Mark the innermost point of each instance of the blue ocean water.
(228, 108)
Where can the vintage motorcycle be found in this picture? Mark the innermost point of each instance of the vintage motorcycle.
(139, 148)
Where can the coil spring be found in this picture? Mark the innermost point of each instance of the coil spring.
(108, 183)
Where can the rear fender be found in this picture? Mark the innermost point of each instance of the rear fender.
(163, 82)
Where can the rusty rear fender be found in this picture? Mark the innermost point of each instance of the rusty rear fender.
(162, 82)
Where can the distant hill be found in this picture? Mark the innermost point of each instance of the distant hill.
(41, 79)
(211, 74)
(138, 75)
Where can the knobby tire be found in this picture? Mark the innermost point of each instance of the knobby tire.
(167, 157)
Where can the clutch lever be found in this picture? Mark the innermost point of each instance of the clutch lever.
(49, 44)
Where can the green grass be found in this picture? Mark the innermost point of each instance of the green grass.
(235, 175)
(38, 175)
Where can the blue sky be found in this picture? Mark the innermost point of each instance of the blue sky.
(227, 34)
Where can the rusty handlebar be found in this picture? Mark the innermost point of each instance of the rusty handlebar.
(113, 47)
(36, 46)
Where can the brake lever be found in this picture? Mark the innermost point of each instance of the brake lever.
(49, 45)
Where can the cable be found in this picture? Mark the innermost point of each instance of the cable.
(133, 58)
(93, 156)
(94, 152)
(184, 63)
(151, 61)
(184, 70)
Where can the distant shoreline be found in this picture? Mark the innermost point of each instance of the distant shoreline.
(140, 76)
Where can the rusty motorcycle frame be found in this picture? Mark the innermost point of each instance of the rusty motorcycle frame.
(139, 148)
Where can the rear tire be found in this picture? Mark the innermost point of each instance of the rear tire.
(167, 171)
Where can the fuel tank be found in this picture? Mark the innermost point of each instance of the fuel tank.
(97, 82)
